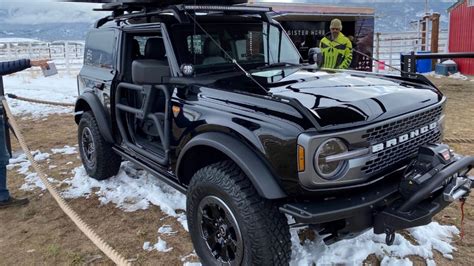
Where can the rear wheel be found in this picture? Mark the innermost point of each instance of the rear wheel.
(230, 223)
(97, 156)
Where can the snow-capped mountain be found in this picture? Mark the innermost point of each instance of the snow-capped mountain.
(50, 21)
(47, 21)
(397, 15)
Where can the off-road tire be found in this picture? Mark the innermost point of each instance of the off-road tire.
(104, 163)
(264, 230)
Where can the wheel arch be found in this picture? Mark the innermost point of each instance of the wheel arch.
(218, 145)
(90, 102)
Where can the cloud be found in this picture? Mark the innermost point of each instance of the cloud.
(42, 11)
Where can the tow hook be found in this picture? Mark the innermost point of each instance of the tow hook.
(458, 188)
(389, 236)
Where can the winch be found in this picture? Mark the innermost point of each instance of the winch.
(430, 182)
(431, 159)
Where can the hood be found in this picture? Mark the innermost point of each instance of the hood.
(349, 99)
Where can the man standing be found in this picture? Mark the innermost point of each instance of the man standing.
(6, 68)
(336, 48)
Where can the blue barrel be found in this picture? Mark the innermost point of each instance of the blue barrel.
(423, 65)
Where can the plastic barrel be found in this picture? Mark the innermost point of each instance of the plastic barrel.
(423, 65)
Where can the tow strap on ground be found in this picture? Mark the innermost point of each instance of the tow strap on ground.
(85, 228)
(458, 140)
(13, 96)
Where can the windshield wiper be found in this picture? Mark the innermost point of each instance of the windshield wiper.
(279, 64)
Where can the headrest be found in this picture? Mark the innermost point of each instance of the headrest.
(155, 49)
(211, 49)
(136, 49)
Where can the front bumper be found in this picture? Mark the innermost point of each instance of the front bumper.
(383, 207)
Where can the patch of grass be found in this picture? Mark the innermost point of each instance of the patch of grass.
(141, 233)
(75, 259)
(53, 250)
(28, 213)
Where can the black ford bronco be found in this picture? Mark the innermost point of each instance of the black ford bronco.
(215, 101)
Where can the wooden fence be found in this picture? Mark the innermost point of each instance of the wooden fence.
(67, 55)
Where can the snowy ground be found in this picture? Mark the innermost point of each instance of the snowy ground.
(131, 190)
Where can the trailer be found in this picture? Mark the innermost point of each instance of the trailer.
(307, 24)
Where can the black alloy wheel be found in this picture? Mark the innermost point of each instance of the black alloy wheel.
(230, 224)
(88, 148)
(220, 230)
(99, 160)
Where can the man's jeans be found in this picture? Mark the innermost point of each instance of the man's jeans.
(4, 157)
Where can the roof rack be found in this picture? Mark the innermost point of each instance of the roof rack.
(145, 8)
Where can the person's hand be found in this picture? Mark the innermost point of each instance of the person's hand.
(39, 62)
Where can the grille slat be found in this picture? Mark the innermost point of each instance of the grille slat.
(405, 150)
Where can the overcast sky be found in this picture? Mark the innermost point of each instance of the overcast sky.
(44, 11)
(41, 11)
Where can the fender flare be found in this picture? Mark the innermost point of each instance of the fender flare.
(98, 110)
(250, 163)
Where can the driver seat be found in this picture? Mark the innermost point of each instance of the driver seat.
(213, 53)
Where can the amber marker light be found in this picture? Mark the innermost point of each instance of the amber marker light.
(300, 158)
(176, 110)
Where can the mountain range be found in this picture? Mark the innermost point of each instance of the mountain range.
(51, 21)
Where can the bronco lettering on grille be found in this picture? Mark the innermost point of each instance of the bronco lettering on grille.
(405, 137)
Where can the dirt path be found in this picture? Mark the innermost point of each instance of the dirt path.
(41, 234)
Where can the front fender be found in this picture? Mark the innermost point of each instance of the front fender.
(89, 101)
(249, 162)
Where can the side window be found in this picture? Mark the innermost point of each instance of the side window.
(195, 42)
(100, 49)
(470, 3)
(281, 49)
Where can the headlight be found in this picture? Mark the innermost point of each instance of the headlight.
(329, 170)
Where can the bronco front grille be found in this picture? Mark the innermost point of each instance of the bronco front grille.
(396, 154)
(390, 130)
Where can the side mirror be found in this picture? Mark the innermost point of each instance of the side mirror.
(315, 56)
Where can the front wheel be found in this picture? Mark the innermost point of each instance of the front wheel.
(97, 156)
(230, 223)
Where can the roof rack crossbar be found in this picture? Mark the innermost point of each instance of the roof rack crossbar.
(136, 10)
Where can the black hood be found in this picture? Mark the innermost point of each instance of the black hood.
(349, 99)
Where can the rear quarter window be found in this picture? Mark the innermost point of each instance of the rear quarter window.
(99, 50)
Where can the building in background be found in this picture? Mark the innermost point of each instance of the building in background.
(307, 24)
(461, 33)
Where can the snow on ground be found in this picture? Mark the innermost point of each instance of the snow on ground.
(129, 193)
(161, 246)
(57, 88)
(456, 75)
(166, 230)
(354, 251)
(138, 191)
(133, 189)
(66, 150)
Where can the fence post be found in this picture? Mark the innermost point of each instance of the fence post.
(390, 54)
(423, 34)
(66, 51)
(9, 51)
(434, 36)
(377, 52)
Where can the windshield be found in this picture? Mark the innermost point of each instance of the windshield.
(252, 45)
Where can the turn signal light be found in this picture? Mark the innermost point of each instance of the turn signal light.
(300, 158)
